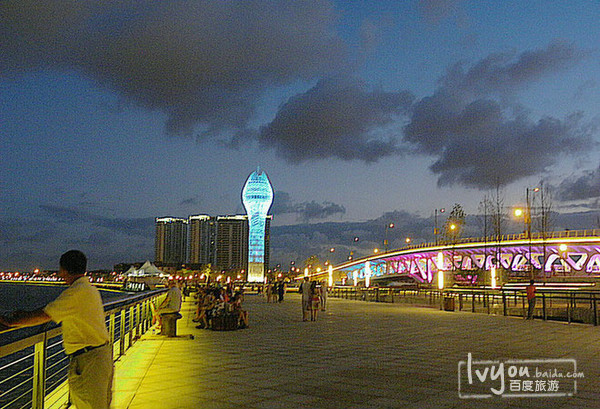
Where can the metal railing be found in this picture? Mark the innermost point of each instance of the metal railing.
(561, 305)
(32, 367)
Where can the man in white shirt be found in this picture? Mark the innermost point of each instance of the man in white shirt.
(172, 302)
(85, 337)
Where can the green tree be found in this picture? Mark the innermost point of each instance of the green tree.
(454, 225)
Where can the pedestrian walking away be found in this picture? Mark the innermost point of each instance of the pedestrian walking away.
(531, 299)
(323, 294)
(281, 290)
(305, 291)
(85, 337)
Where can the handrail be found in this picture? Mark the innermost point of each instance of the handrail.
(563, 304)
(126, 320)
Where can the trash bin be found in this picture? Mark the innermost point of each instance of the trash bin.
(448, 303)
(169, 324)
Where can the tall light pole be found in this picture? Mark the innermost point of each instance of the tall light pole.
(527, 220)
(436, 232)
(385, 240)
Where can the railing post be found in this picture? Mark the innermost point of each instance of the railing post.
(472, 301)
(131, 324)
(595, 309)
(504, 309)
(39, 374)
(122, 334)
(544, 312)
(569, 312)
(111, 328)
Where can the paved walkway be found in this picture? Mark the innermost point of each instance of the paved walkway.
(357, 355)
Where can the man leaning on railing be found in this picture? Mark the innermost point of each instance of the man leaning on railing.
(85, 337)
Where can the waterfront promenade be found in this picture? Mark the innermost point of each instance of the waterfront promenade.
(357, 355)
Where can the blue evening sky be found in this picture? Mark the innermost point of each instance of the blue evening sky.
(84, 117)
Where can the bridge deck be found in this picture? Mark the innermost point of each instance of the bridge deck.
(357, 355)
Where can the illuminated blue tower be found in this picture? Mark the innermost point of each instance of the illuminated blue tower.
(257, 197)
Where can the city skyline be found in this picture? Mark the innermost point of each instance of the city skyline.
(115, 113)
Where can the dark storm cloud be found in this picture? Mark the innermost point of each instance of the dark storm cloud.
(130, 226)
(478, 138)
(201, 62)
(305, 211)
(337, 118)
(502, 72)
(582, 187)
(190, 201)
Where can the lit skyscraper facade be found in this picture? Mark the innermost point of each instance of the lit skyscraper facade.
(202, 239)
(257, 197)
(231, 247)
(171, 240)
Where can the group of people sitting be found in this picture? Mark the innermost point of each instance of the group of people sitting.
(216, 306)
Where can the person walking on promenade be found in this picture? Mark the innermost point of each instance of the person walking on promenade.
(531, 299)
(323, 294)
(305, 291)
(85, 337)
(281, 290)
(315, 296)
(269, 291)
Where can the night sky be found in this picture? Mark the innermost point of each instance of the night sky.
(116, 112)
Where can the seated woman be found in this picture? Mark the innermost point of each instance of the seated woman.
(200, 294)
(236, 309)
(206, 310)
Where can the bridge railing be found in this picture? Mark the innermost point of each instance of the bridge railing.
(33, 365)
(509, 237)
(560, 305)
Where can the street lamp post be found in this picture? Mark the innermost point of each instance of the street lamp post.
(527, 220)
(435, 228)
(385, 241)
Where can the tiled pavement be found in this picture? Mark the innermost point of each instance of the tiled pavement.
(357, 355)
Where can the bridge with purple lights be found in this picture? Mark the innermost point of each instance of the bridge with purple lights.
(559, 256)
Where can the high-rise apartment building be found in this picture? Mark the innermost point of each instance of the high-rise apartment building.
(170, 243)
(202, 239)
(232, 243)
(222, 241)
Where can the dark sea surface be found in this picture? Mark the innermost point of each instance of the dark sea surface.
(19, 296)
